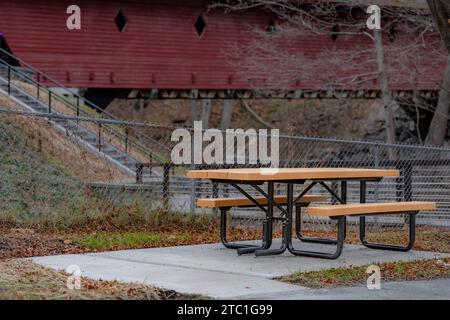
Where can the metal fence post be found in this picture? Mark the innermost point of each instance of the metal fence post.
(407, 195)
(400, 182)
(225, 191)
(38, 85)
(215, 190)
(215, 194)
(9, 80)
(192, 193)
(49, 101)
(150, 167)
(139, 168)
(334, 187)
(377, 165)
(165, 187)
(78, 106)
(99, 136)
(126, 140)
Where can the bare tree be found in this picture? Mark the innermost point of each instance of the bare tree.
(440, 10)
(385, 91)
(270, 62)
(438, 126)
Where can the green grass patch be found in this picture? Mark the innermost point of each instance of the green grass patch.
(33, 187)
(108, 241)
(390, 271)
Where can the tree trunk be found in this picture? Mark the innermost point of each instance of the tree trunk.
(194, 111)
(206, 113)
(438, 127)
(226, 114)
(141, 108)
(385, 92)
(440, 9)
(257, 117)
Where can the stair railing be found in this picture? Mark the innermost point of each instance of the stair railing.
(126, 136)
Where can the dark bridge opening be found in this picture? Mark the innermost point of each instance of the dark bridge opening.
(5, 50)
(102, 97)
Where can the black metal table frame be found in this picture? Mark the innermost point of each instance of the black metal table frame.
(287, 218)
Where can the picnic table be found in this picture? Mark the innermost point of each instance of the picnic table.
(267, 201)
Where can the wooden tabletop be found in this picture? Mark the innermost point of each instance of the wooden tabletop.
(281, 174)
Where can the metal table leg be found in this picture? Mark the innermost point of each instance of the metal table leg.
(267, 227)
(298, 229)
(341, 232)
(382, 246)
(325, 255)
(286, 233)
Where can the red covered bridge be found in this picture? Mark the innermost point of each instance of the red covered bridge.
(175, 48)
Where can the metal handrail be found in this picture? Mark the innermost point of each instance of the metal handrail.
(78, 110)
(110, 129)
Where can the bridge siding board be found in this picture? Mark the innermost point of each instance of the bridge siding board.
(158, 49)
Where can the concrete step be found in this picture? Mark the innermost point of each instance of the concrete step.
(60, 121)
(93, 142)
(38, 108)
(78, 130)
(110, 151)
(120, 157)
(19, 95)
(14, 92)
(88, 136)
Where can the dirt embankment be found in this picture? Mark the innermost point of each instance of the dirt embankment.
(344, 119)
(55, 146)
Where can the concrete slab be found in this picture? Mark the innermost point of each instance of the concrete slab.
(214, 257)
(185, 280)
(215, 271)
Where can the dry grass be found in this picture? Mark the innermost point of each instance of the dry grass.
(43, 189)
(22, 243)
(427, 238)
(24, 280)
(55, 147)
(390, 271)
(326, 117)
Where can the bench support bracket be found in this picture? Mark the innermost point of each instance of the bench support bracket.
(315, 254)
(298, 215)
(223, 232)
(382, 246)
(298, 229)
(286, 219)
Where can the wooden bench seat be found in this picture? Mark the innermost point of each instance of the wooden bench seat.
(341, 211)
(370, 208)
(244, 202)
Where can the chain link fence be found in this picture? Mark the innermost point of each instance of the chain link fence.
(51, 171)
(425, 176)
